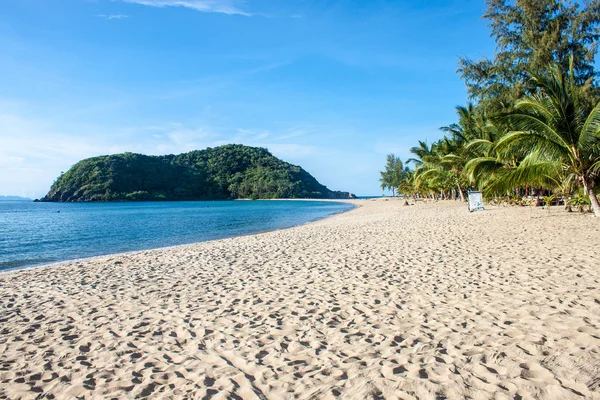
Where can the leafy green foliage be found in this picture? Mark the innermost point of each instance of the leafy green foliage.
(225, 172)
(548, 200)
(395, 176)
(561, 138)
(549, 142)
(580, 201)
(529, 36)
(535, 126)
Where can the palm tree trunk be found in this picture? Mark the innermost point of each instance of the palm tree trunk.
(589, 190)
(460, 192)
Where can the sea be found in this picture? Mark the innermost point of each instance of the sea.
(42, 233)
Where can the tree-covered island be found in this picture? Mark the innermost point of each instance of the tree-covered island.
(226, 172)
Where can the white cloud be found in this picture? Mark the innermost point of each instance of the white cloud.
(244, 135)
(212, 6)
(292, 133)
(33, 154)
(113, 16)
(35, 150)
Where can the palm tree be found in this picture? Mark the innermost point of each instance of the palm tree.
(488, 168)
(468, 126)
(557, 132)
(406, 186)
(423, 152)
(455, 155)
(440, 167)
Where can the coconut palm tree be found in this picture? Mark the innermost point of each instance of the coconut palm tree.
(558, 134)
(468, 126)
(436, 170)
(488, 169)
(406, 186)
(423, 153)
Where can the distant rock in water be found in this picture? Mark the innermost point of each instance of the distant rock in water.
(225, 172)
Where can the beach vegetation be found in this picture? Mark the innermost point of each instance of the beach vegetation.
(532, 128)
(395, 176)
(530, 35)
(224, 172)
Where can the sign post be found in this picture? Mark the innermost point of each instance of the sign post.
(475, 201)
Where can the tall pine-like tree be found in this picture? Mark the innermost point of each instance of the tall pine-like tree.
(529, 36)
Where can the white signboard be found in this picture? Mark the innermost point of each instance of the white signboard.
(475, 201)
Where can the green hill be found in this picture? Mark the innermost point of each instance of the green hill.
(224, 172)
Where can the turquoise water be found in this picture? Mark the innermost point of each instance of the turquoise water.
(41, 233)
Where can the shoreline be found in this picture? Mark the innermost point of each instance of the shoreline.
(416, 302)
(133, 252)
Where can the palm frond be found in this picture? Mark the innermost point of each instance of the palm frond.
(480, 145)
(523, 142)
(589, 139)
(482, 169)
(534, 170)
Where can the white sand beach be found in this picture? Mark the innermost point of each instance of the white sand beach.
(383, 302)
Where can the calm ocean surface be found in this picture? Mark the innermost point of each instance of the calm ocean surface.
(40, 233)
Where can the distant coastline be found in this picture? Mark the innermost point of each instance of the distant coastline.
(14, 198)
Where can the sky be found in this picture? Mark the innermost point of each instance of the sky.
(332, 86)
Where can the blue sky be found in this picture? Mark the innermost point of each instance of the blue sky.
(332, 86)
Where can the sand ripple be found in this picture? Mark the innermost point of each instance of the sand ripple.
(425, 302)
